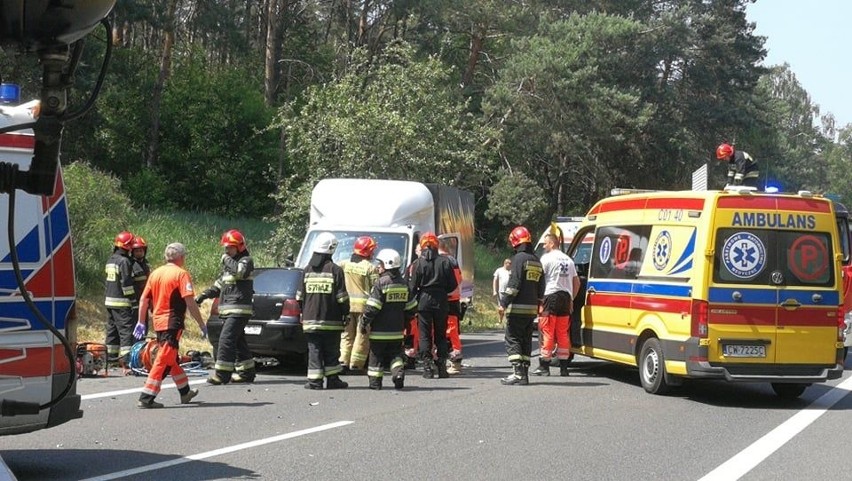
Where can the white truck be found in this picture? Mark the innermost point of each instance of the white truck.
(395, 213)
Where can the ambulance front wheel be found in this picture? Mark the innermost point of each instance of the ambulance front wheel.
(789, 390)
(652, 367)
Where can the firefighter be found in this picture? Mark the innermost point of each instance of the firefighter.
(360, 275)
(169, 294)
(235, 290)
(119, 298)
(742, 168)
(454, 314)
(325, 304)
(561, 286)
(389, 306)
(140, 270)
(432, 280)
(520, 303)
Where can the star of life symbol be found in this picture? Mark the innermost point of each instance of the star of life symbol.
(744, 255)
(605, 250)
(662, 250)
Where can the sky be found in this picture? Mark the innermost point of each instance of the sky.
(814, 37)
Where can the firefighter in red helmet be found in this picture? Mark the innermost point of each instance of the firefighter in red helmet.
(742, 168)
(140, 270)
(119, 297)
(235, 290)
(360, 275)
(520, 303)
(432, 280)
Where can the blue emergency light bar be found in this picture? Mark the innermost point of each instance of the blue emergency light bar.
(10, 93)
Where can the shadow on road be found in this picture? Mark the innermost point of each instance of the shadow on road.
(73, 464)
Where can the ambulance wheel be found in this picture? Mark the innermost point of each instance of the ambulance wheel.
(652, 367)
(787, 390)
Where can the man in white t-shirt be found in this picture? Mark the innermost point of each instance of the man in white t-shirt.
(561, 287)
(501, 278)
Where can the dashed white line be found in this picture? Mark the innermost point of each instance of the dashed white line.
(217, 452)
(748, 458)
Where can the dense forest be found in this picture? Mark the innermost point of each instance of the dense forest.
(539, 107)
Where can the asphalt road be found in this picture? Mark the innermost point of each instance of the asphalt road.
(597, 424)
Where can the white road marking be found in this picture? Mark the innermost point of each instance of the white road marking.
(97, 395)
(217, 452)
(748, 458)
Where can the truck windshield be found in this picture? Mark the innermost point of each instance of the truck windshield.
(346, 239)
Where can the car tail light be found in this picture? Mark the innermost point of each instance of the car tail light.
(291, 308)
(700, 310)
(214, 309)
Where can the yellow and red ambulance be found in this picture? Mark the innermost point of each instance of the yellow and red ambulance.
(737, 285)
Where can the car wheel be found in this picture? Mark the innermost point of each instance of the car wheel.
(788, 390)
(652, 367)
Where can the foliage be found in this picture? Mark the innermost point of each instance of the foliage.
(384, 117)
(516, 199)
(98, 210)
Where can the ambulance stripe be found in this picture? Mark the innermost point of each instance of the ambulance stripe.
(811, 317)
(750, 295)
(17, 141)
(739, 315)
(38, 362)
(16, 312)
(774, 203)
(674, 203)
(645, 303)
(644, 288)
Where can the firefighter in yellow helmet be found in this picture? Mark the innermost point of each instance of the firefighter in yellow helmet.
(360, 275)
(235, 290)
(119, 297)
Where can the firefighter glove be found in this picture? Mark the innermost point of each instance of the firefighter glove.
(203, 331)
(139, 330)
(199, 299)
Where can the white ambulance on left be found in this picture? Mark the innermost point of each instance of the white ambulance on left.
(34, 365)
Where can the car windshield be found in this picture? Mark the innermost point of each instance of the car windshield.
(277, 281)
(346, 240)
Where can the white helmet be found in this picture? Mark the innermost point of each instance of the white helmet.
(389, 258)
(325, 243)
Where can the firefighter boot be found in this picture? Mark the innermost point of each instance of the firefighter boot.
(243, 377)
(218, 378)
(313, 384)
(515, 377)
(376, 383)
(186, 398)
(455, 367)
(399, 380)
(563, 367)
(334, 382)
(543, 368)
(525, 373)
(442, 368)
(428, 372)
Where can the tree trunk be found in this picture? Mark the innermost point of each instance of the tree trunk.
(476, 40)
(165, 73)
(270, 71)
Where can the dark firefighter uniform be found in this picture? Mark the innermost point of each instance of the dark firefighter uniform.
(235, 290)
(119, 299)
(325, 304)
(520, 301)
(432, 280)
(140, 271)
(742, 169)
(389, 307)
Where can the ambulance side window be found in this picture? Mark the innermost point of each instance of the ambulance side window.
(619, 251)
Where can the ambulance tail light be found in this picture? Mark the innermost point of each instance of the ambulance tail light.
(841, 324)
(700, 311)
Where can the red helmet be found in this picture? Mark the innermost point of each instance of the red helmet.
(724, 151)
(519, 235)
(429, 239)
(234, 238)
(124, 240)
(139, 243)
(364, 246)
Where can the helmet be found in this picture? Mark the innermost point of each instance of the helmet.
(124, 240)
(519, 235)
(429, 240)
(364, 246)
(724, 151)
(139, 243)
(234, 238)
(389, 258)
(325, 243)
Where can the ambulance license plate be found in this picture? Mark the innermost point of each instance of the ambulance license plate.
(742, 350)
(255, 330)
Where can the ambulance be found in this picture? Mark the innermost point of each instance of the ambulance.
(37, 369)
(737, 285)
